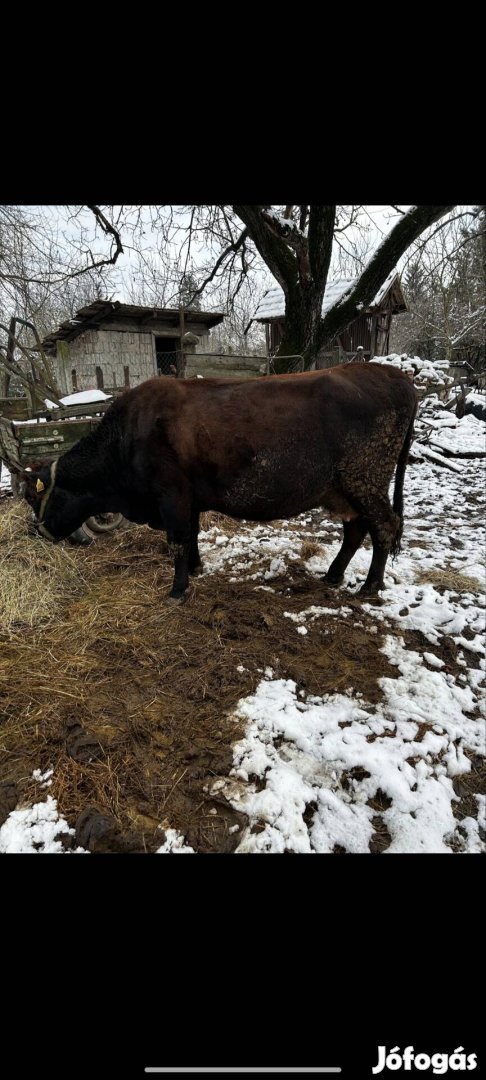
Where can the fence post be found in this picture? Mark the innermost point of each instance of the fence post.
(188, 347)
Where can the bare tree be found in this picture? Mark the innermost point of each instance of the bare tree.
(232, 335)
(225, 245)
(44, 275)
(220, 250)
(445, 285)
(37, 255)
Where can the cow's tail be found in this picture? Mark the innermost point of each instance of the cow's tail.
(399, 478)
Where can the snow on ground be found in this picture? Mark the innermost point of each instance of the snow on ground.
(174, 844)
(466, 436)
(336, 768)
(322, 737)
(36, 830)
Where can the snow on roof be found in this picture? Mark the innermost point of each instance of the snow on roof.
(384, 289)
(272, 305)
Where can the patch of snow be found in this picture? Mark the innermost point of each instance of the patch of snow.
(43, 778)
(466, 436)
(433, 660)
(301, 749)
(36, 830)
(174, 844)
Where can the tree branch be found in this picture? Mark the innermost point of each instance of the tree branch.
(109, 230)
(385, 259)
(272, 248)
(224, 254)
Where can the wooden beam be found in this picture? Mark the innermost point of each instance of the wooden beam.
(180, 357)
(67, 412)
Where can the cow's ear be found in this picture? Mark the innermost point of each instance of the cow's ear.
(36, 478)
(39, 471)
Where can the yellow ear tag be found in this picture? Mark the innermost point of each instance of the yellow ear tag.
(40, 486)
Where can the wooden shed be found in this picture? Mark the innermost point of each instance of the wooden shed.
(369, 333)
(111, 345)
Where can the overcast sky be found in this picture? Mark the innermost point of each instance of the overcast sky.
(378, 220)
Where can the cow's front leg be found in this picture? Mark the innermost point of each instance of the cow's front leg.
(180, 553)
(195, 564)
(175, 513)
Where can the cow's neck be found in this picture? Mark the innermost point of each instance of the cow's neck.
(87, 466)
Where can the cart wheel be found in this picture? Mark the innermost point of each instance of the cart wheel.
(103, 523)
(81, 536)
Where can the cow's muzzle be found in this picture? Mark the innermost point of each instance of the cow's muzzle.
(44, 531)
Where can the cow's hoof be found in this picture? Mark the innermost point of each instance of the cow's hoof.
(199, 569)
(9, 797)
(100, 834)
(333, 583)
(81, 746)
(81, 536)
(176, 599)
(370, 590)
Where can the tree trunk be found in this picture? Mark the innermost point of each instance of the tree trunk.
(301, 332)
(300, 265)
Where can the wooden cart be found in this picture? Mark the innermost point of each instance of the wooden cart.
(29, 431)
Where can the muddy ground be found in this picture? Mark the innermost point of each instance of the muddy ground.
(130, 700)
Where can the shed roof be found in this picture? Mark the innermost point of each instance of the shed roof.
(93, 315)
(272, 305)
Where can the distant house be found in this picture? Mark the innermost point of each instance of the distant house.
(111, 345)
(369, 333)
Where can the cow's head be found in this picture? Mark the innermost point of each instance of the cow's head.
(58, 512)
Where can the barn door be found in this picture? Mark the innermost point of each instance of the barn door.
(166, 353)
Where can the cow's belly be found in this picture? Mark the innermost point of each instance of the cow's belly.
(274, 488)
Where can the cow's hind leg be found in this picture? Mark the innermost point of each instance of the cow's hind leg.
(383, 526)
(354, 534)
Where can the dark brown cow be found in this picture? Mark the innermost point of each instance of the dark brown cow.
(259, 449)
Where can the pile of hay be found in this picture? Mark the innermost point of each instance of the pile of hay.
(450, 579)
(35, 575)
